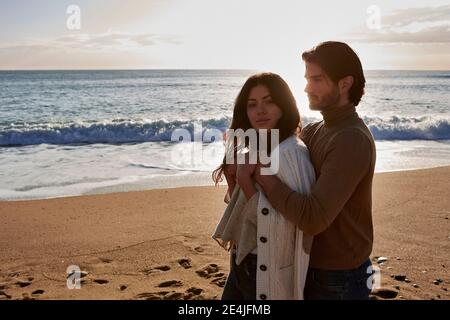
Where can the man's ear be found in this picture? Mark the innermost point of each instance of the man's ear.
(345, 84)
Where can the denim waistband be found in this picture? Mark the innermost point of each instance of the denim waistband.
(362, 268)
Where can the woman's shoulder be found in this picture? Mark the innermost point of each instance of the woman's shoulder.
(292, 158)
(293, 144)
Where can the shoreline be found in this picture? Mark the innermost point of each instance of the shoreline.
(145, 185)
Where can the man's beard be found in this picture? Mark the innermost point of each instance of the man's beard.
(327, 101)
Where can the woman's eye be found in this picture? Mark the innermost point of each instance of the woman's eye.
(251, 105)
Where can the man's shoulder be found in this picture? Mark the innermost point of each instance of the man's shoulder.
(356, 131)
(312, 125)
(310, 129)
(352, 137)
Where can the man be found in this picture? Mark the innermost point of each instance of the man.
(338, 211)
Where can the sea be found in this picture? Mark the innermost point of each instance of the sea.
(68, 133)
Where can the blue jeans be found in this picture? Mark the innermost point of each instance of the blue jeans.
(241, 282)
(352, 284)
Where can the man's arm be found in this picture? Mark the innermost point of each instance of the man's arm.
(344, 166)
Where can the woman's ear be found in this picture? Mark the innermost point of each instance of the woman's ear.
(345, 84)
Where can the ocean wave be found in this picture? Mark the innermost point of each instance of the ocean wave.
(167, 168)
(131, 131)
(402, 128)
(116, 131)
(442, 76)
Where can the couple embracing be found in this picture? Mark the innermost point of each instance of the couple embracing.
(304, 230)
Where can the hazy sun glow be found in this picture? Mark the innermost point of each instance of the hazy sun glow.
(233, 34)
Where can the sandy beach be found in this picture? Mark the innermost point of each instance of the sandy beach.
(157, 244)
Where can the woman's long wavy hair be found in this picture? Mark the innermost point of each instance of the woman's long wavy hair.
(289, 123)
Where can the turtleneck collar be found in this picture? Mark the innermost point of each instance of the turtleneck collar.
(334, 115)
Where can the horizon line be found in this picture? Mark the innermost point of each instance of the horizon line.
(187, 69)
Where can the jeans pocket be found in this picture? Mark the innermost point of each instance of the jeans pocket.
(362, 281)
(358, 287)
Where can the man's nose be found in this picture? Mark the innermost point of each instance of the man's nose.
(307, 88)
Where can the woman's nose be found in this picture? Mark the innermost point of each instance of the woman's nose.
(262, 107)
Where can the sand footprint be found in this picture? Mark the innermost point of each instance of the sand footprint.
(161, 295)
(162, 268)
(185, 263)
(81, 274)
(157, 269)
(174, 296)
(383, 294)
(4, 295)
(23, 283)
(101, 281)
(192, 293)
(199, 249)
(212, 271)
(26, 296)
(208, 271)
(194, 290)
(171, 283)
(219, 279)
(151, 295)
(37, 293)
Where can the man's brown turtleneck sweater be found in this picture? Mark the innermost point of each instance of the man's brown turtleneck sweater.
(338, 212)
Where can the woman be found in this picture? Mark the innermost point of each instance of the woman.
(269, 255)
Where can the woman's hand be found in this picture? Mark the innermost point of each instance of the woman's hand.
(230, 175)
(244, 177)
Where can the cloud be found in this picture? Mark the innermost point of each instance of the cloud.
(120, 39)
(413, 25)
(109, 40)
(435, 35)
(418, 15)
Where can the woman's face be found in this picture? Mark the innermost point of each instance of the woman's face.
(262, 112)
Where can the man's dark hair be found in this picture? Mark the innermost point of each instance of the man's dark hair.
(338, 60)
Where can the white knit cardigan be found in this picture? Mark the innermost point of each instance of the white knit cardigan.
(283, 250)
(285, 253)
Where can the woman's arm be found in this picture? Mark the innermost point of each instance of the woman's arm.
(230, 176)
(247, 185)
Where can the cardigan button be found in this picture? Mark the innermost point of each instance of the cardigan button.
(265, 211)
(263, 267)
(263, 239)
(263, 297)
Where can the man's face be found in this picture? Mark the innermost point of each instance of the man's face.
(322, 91)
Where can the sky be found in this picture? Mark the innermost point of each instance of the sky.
(220, 34)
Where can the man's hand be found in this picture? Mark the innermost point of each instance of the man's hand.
(267, 182)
